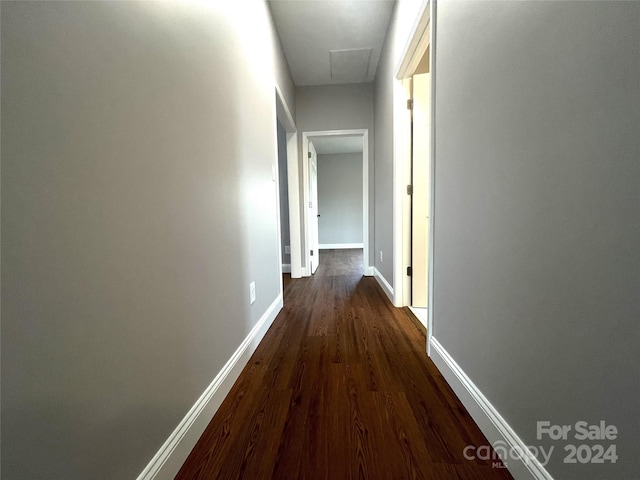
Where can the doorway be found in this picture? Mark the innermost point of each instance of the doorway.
(286, 174)
(321, 226)
(414, 185)
(421, 184)
(314, 249)
(339, 190)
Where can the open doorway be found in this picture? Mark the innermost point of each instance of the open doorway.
(314, 216)
(335, 193)
(285, 234)
(421, 186)
(339, 188)
(414, 172)
(286, 174)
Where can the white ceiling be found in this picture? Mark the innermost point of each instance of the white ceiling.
(330, 144)
(328, 42)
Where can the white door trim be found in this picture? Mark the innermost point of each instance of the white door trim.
(422, 35)
(283, 114)
(419, 39)
(432, 174)
(368, 270)
(314, 233)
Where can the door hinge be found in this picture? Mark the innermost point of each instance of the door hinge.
(312, 253)
(408, 271)
(308, 154)
(409, 189)
(310, 204)
(409, 104)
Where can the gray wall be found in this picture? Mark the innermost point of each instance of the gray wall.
(537, 214)
(338, 107)
(283, 77)
(284, 192)
(383, 141)
(137, 205)
(340, 198)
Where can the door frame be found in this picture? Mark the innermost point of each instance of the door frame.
(314, 226)
(283, 114)
(421, 37)
(368, 270)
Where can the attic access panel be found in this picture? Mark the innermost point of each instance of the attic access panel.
(350, 65)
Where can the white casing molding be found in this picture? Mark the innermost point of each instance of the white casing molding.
(365, 192)
(283, 114)
(169, 459)
(338, 246)
(417, 42)
(492, 424)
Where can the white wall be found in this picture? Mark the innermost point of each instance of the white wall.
(340, 198)
(337, 107)
(138, 140)
(537, 214)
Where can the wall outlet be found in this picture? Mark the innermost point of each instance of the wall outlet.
(287, 249)
(252, 292)
(380, 256)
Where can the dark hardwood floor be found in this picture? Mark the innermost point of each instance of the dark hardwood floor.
(340, 388)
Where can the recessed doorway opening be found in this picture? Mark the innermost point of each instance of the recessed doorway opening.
(335, 194)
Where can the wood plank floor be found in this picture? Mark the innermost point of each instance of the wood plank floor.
(340, 388)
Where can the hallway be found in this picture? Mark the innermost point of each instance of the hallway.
(340, 387)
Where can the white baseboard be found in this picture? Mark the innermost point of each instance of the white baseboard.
(286, 268)
(422, 315)
(368, 271)
(169, 459)
(337, 246)
(492, 424)
(388, 289)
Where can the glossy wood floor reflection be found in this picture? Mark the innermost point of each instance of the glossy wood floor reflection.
(340, 388)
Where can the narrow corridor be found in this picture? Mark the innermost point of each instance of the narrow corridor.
(340, 388)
